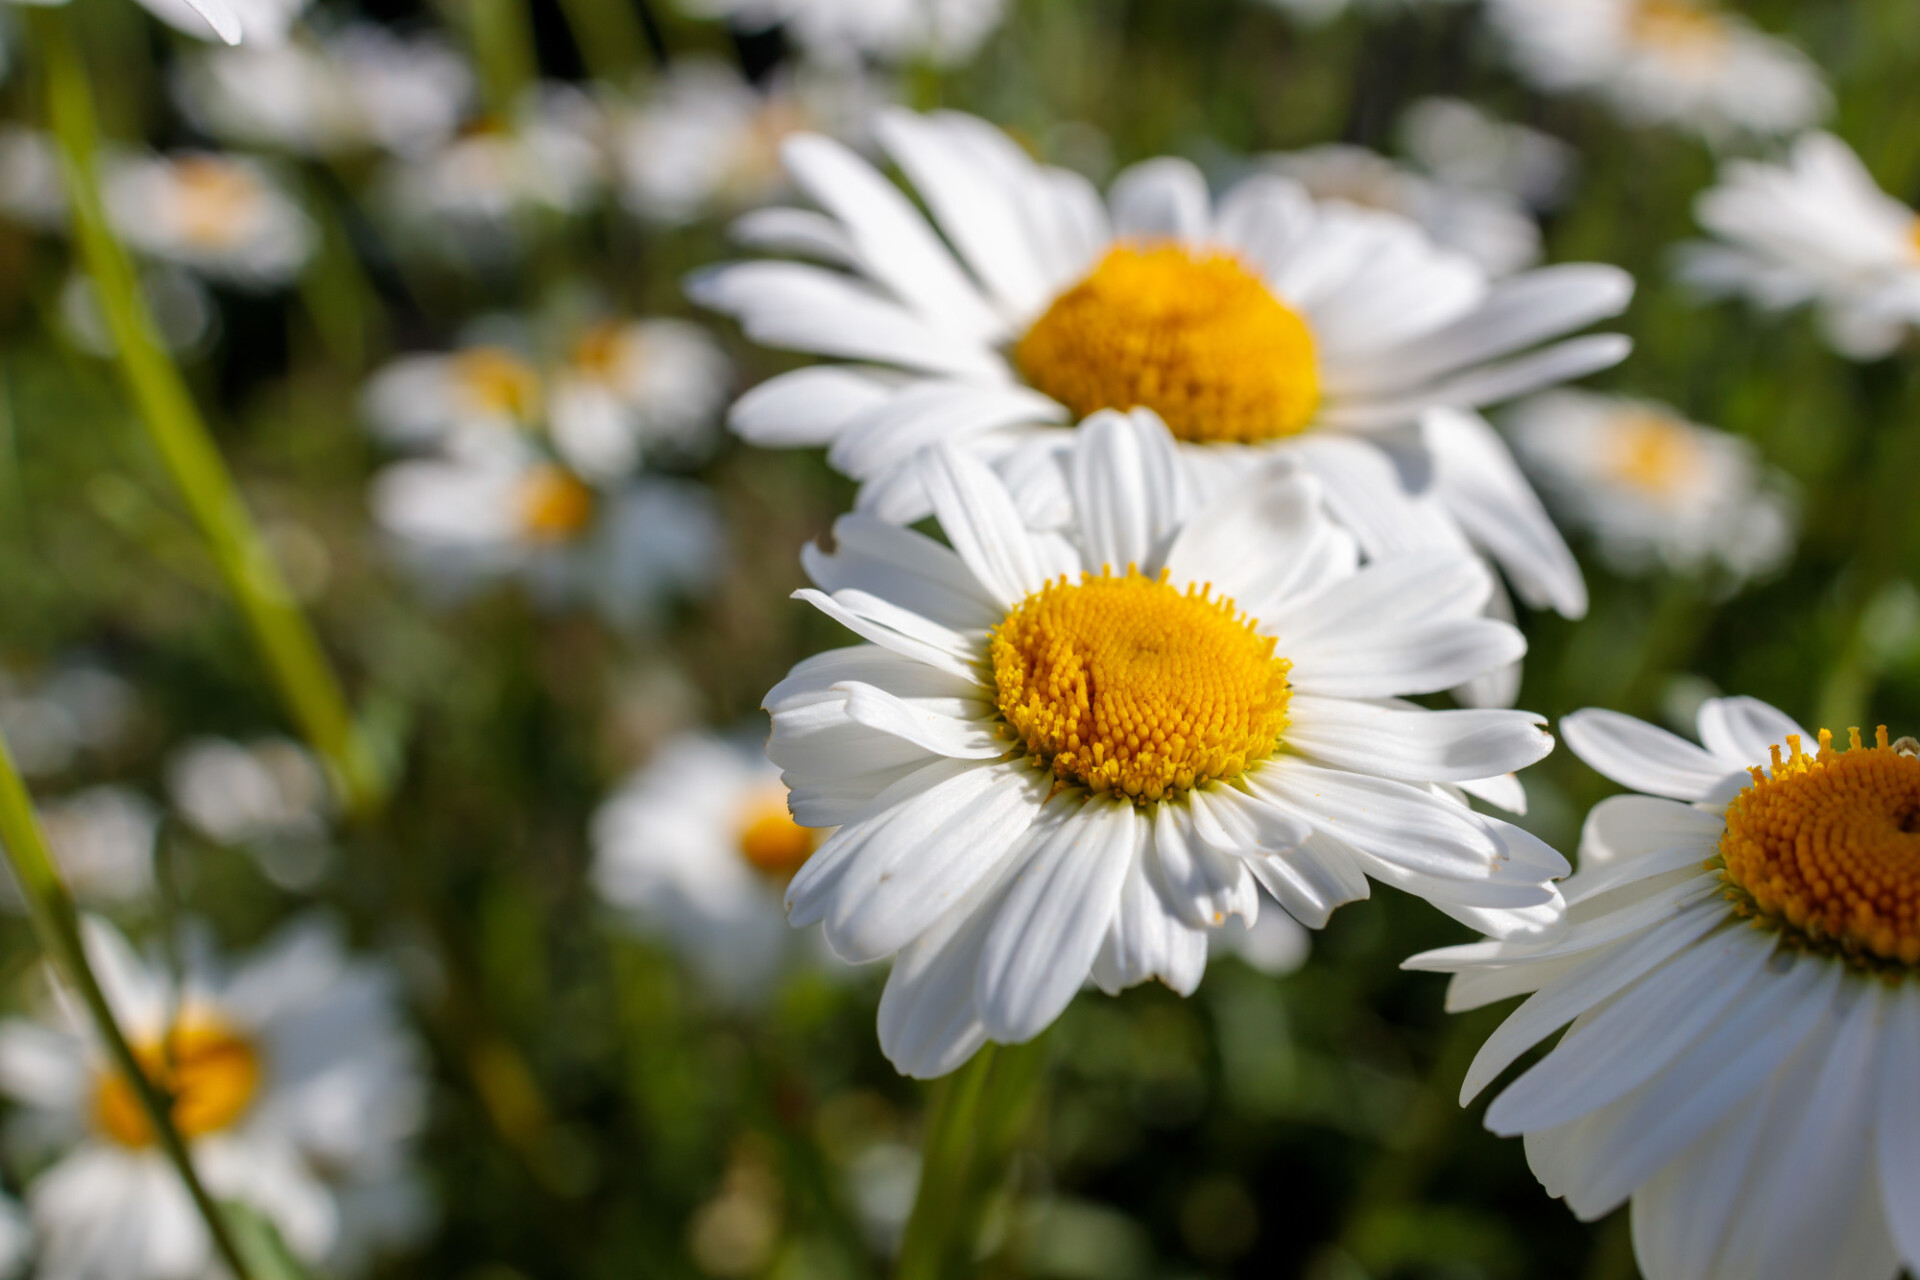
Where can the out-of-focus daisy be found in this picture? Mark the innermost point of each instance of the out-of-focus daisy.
(1655, 489)
(1681, 62)
(180, 306)
(269, 798)
(357, 89)
(1742, 973)
(1817, 230)
(220, 215)
(1489, 226)
(295, 1086)
(417, 401)
(698, 847)
(1268, 325)
(844, 31)
(1458, 143)
(52, 719)
(1064, 756)
(102, 837)
(478, 192)
(31, 190)
(705, 139)
(1315, 12)
(226, 20)
(490, 505)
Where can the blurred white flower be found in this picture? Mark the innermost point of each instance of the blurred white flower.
(697, 849)
(227, 20)
(52, 719)
(102, 837)
(418, 401)
(269, 798)
(946, 32)
(1815, 230)
(491, 505)
(1459, 144)
(706, 141)
(220, 215)
(1489, 226)
(296, 1084)
(1688, 63)
(356, 89)
(177, 301)
(32, 192)
(1316, 12)
(1657, 491)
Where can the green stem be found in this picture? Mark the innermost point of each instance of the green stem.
(609, 37)
(292, 653)
(50, 906)
(501, 33)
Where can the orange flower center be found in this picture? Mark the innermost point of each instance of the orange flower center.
(209, 1070)
(1829, 846)
(554, 505)
(1653, 452)
(496, 382)
(215, 200)
(1679, 27)
(1196, 337)
(771, 841)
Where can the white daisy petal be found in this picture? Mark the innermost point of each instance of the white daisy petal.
(1739, 731)
(932, 412)
(1621, 828)
(1202, 885)
(1310, 880)
(980, 520)
(1415, 744)
(1638, 755)
(801, 232)
(1146, 939)
(1162, 199)
(806, 406)
(1233, 822)
(1897, 1143)
(1391, 820)
(1265, 540)
(907, 568)
(1128, 489)
(933, 731)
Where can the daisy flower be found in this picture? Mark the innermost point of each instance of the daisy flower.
(269, 798)
(946, 32)
(183, 311)
(1680, 62)
(1065, 756)
(1657, 490)
(54, 719)
(1459, 144)
(1487, 226)
(358, 89)
(295, 1085)
(1740, 973)
(697, 848)
(219, 215)
(1817, 230)
(103, 838)
(1269, 325)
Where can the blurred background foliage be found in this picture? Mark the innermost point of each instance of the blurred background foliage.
(594, 1115)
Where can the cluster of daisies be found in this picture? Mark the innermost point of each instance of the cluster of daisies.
(1194, 514)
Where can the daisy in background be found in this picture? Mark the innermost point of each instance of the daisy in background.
(1459, 144)
(1657, 491)
(1742, 973)
(697, 848)
(54, 719)
(1689, 63)
(1073, 755)
(1317, 12)
(840, 32)
(358, 89)
(1265, 325)
(296, 1086)
(269, 798)
(103, 839)
(1815, 230)
(706, 140)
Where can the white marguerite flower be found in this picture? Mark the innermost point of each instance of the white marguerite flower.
(222, 216)
(946, 32)
(697, 848)
(52, 719)
(102, 837)
(295, 1084)
(269, 798)
(490, 505)
(1657, 490)
(1269, 324)
(1457, 143)
(183, 311)
(357, 89)
(1816, 230)
(1065, 756)
(1741, 974)
(1689, 63)
(1489, 226)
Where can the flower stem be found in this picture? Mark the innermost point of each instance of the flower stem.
(292, 653)
(50, 906)
(501, 35)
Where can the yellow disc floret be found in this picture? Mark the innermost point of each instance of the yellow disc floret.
(1196, 337)
(211, 1072)
(1678, 27)
(1130, 686)
(554, 506)
(771, 841)
(1829, 847)
(1653, 452)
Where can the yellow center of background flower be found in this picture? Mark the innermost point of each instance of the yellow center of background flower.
(771, 841)
(1677, 26)
(1127, 685)
(1913, 233)
(211, 1072)
(215, 200)
(1652, 452)
(1830, 845)
(554, 505)
(495, 381)
(1197, 338)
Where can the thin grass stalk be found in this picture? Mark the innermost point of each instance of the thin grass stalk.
(55, 920)
(293, 655)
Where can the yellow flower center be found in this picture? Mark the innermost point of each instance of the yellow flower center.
(554, 505)
(1913, 233)
(215, 200)
(210, 1071)
(1829, 846)
(771, 841)
(1130, 686)
(1196, 337)
(1653, 452)
(495, 381)
(1678, 26)
(599, 352)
